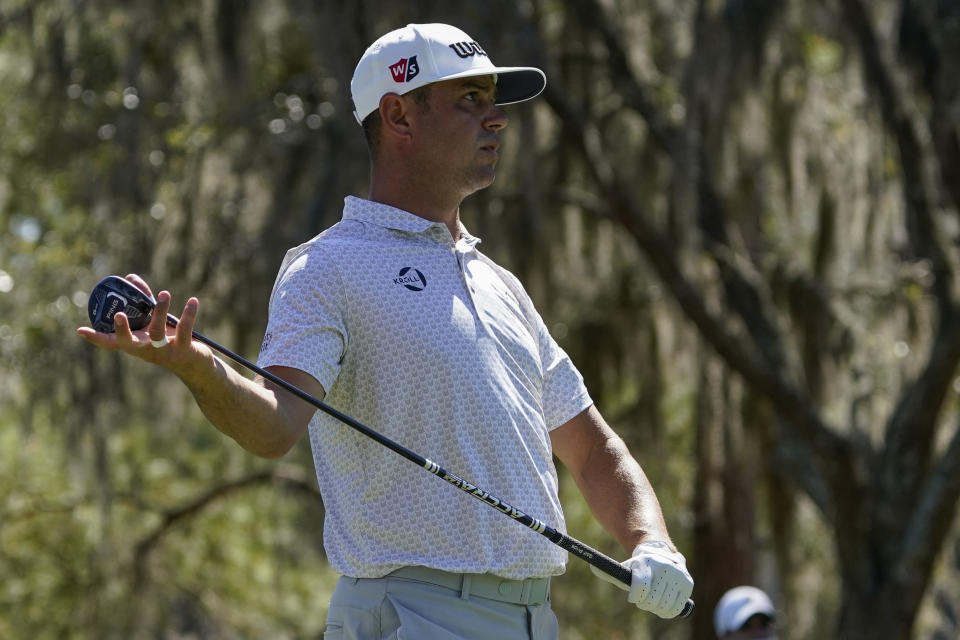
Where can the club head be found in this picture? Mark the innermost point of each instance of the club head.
(112, 295)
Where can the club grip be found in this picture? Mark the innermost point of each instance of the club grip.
(609, 566)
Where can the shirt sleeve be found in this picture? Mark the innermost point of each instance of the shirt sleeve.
(564, 394)
(306, 329)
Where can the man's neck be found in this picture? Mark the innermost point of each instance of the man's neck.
(419, 204)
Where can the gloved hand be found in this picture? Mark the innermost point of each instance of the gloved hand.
(661, 583)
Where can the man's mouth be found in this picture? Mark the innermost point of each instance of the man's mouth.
(490, 146)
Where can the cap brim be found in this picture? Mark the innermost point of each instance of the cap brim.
(745, 613)
(514, 84)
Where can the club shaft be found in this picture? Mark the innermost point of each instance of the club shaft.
(601, 561)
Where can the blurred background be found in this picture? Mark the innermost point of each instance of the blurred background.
(739, 217)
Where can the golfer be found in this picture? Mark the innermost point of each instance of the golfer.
(745, 613)
(395, 317)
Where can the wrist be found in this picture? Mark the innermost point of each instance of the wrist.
(198, 368)
(664, 545)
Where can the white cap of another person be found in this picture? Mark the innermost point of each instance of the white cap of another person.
(420, 54)
(737, 606)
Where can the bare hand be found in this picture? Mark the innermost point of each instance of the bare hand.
(179, 353)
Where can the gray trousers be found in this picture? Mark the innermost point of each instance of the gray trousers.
(413, 606)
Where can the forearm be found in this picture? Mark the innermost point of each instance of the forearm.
(260, 416)
(620, 495)
(245, 410)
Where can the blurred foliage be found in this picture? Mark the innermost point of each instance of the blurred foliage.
(194, 142)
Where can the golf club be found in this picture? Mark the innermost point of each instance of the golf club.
(113, 294)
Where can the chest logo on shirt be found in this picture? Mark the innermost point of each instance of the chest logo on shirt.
(411, 278)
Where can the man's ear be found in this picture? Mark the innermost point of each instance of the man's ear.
(393, 115)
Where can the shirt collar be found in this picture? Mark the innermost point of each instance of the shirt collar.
(384, 215)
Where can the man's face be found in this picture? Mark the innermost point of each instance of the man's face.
(757, 627)
(458, 133)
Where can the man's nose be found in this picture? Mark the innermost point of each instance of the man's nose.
(496, 120)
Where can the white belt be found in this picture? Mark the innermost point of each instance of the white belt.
(532, 591)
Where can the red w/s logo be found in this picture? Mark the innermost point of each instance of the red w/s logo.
(405, 69)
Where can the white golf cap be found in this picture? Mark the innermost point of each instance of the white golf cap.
(737, 606)
(419, 54)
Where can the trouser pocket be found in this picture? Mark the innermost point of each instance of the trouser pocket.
(360, 610)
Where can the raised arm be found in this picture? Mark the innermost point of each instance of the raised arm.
(261, 417)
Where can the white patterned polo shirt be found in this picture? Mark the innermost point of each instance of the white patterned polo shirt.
(433, 345)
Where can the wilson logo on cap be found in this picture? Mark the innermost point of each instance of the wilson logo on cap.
(405, 69)
(467, 49)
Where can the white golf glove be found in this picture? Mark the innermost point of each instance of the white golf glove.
(661, 583)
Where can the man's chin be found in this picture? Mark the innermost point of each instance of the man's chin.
(483, 180)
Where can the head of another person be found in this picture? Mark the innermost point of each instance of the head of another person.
(745, 612)
(428, 98)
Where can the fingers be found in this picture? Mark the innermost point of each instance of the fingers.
(187, 320)
(139, 283)
(654, 599)
(673, 601)
(156, 342)
(661, 592)
(124, 337)
(157, 329)
(120, 338)
(661, 583)
(103, 340)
